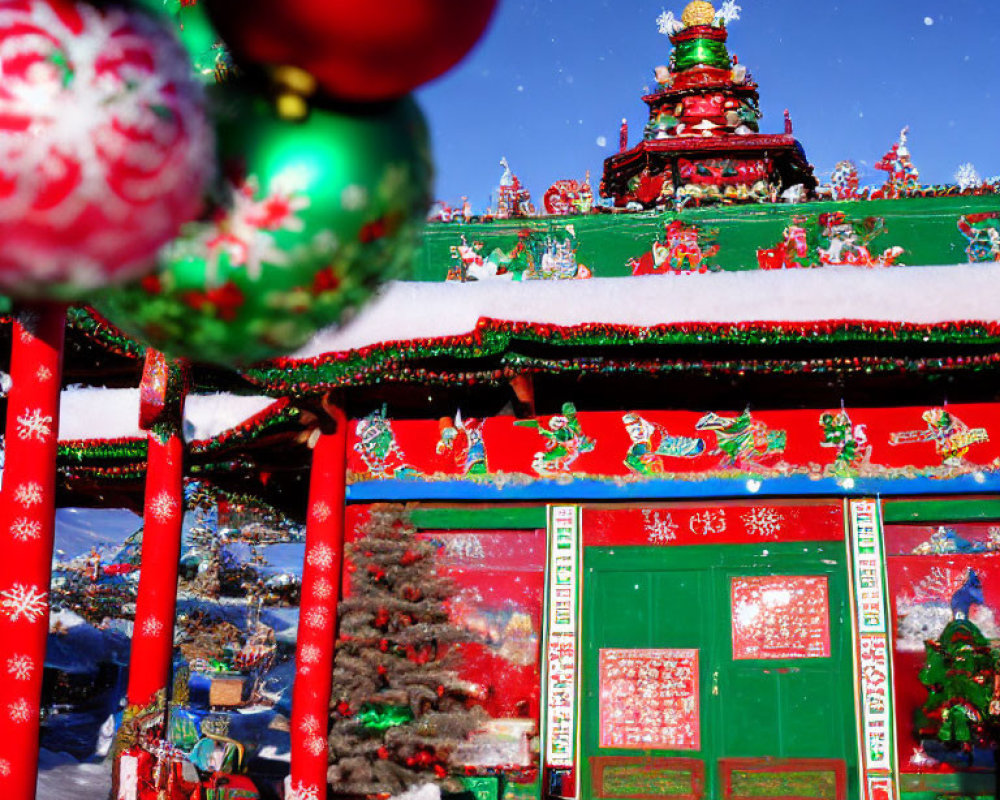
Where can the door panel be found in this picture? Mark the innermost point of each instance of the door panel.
(680, 597)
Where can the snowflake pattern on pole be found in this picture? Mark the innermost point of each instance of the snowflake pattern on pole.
(310, 654)
(4, 768)
(316, 745)
(163, 507)
(34, 425)
(310, 725)
(19, 711)
(20, 667)
(763, 522)
(25, 530)
(29, 494)
(303, 792)
(152, 627)
(26, 602)
(320, 511)
(320, 556)
(43, 374)
(317, 617)
(323, 589)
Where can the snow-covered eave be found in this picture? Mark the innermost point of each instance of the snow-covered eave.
(963, 294)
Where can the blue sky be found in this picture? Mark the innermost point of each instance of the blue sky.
(553, 76)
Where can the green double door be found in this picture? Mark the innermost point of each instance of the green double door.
(646, 600)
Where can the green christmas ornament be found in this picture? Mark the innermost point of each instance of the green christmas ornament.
(209, 55)
(313, 216)
(381, 718)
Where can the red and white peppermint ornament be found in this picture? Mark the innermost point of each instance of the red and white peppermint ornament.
(104, 145)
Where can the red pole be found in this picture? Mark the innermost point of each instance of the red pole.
(161, 409)
(153, 634)
(28, 519)
(321, 573)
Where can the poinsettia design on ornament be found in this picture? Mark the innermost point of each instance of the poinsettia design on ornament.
(243, 234)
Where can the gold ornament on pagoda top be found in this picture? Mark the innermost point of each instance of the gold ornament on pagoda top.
(698, 12)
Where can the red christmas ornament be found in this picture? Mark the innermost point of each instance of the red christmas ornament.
(356, 51)
(383, 753)
(104, 146)
(409, 557)
(344, 708)
(382, 618)
(440, 771)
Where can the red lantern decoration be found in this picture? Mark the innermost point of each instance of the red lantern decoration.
(356, 51)
(104, 146)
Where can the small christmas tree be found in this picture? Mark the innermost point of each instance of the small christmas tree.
(399, 709)
(960, 676)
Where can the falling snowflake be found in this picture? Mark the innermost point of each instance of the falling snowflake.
(25, 530)
(24, 601)
(310, 654)
(303, 792)
(321, 555)
(659, 530)
(354, 197)
(967, 177)
(310, 725)
(28, 494)
(34, 425)
(20, 666)
(4, 768)
(730, 12)
(316, 745)
(321, 511)
(152, 627)
(19, 711)
(163, 508)
(667, 23)
(317, 617)
(707, 523)
(323, 589)
(763, 522)
(43, 374)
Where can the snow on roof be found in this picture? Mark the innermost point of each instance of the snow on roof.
(89, 413)
(918, 295)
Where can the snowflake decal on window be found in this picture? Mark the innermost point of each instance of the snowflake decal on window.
(19, 711)
(321, 511)
(25, 530)
(320, 555)
(34, 425)
(28, 494)
(323, 589)
(763, 522)
(22, 601)
(659, 529)
(310, 654)
(20, 667)
(152, 627)
(317, 617)
(163, 507)
(707, 523)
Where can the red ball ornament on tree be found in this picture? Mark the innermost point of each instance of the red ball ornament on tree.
(356, 51)
(104, 145)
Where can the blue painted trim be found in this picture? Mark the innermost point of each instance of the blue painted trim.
(594, 489)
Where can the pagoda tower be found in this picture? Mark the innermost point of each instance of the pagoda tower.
(703, 140)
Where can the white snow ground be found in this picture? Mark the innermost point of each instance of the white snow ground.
(61, 776)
